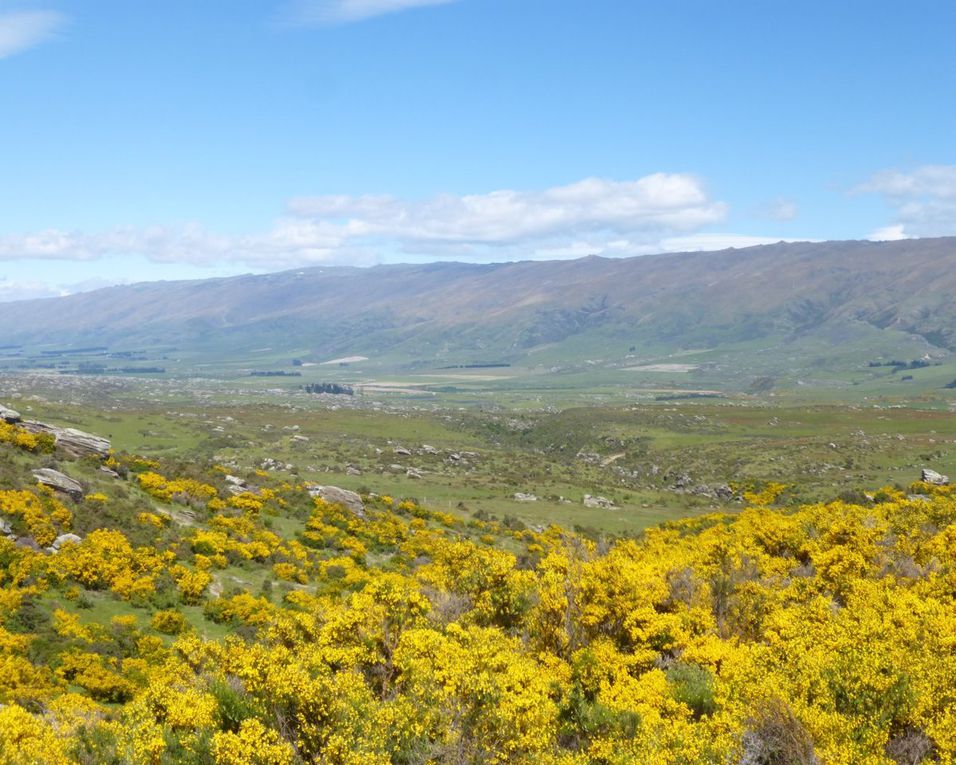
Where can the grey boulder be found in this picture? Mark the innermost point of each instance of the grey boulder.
(336, 496)
(66, 539)
(9, 415)
(931, 476)
(59, 482)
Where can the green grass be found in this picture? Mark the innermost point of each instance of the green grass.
(528, 440)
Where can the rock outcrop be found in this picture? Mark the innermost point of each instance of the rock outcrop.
(601, 502)
(66, 539)
(73, 442)
(336, 496)
(59, 482)
(235, 484)
(931, 476)
(9, 415)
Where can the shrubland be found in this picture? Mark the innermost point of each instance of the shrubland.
(196, 624)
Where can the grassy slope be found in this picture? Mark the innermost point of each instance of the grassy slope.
(822, 448)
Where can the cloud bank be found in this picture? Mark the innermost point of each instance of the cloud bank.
(923, 201)
(22, 30)
(591, 216)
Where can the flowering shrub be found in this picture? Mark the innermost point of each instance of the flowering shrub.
(819, 634)
(24, 439)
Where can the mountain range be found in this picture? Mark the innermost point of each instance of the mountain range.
(880, 294)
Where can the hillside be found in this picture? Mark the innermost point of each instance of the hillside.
(814, 297)
(184, 612)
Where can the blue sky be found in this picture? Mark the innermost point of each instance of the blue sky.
(176, 139)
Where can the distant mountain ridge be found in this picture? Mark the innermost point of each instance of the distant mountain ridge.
(494, 312)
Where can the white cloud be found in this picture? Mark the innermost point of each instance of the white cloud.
(21, 30)
(937, 181)
(779, 209)
(594, 215)
(327, 12)
(923, 201)
(17, 289)
(888, 234)
(502, 218)
(288, 243)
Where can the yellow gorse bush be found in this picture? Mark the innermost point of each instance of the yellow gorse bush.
(24, 439)
(824, 633)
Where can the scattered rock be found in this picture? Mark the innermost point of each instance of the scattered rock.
(719, 491)
(5, 528)
(352, 470)
(412, 473)
(931, 476)
(335, 495)
(272, 464)
(682, 481)
(59, 481)
(602, 502)
(397, 468)
(109, 472)
(236, 485)
(723, 491)
(429, 449)
(402, 451)
(300, 439)
(520, 496)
